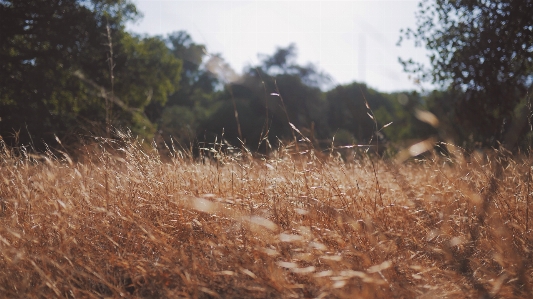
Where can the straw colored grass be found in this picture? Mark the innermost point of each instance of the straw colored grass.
(124, 222)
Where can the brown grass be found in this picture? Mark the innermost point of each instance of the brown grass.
(126, 223)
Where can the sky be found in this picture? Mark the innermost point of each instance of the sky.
(349, 40)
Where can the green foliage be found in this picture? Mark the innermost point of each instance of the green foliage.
(483, 51)
(54, 70)
(194, 98)
(344, 137)
(183, 123)
(148, 71)
(347, 111)
(278, 91)
(39, 46)
(62, 60)
(269, 96)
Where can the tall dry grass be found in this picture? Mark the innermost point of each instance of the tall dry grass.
(123, 222)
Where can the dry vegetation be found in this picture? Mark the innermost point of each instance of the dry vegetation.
(124, 222)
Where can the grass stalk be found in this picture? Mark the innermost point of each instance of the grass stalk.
(111, 66)
(277, 227)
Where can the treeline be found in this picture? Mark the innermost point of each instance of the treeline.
(271, 96)
(70, 69)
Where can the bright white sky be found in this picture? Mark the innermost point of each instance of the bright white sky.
(350, 40)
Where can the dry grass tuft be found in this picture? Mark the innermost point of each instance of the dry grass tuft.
(126, 223)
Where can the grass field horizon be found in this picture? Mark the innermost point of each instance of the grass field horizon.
(121, 221)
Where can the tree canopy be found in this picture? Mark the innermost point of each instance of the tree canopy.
(165, 87)
(483, 50)
(54, 71)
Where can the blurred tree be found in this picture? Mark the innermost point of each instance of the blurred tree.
(55, 74)
(482, 50)
(146, 72)
(283, 62)
(347, 110)
(40, 47)
(270, 95)
(194, 76)
(278, 91)
(193, 100)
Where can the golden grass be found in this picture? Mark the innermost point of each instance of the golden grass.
(126, 223)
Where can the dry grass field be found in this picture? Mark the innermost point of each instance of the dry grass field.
(123, 222)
